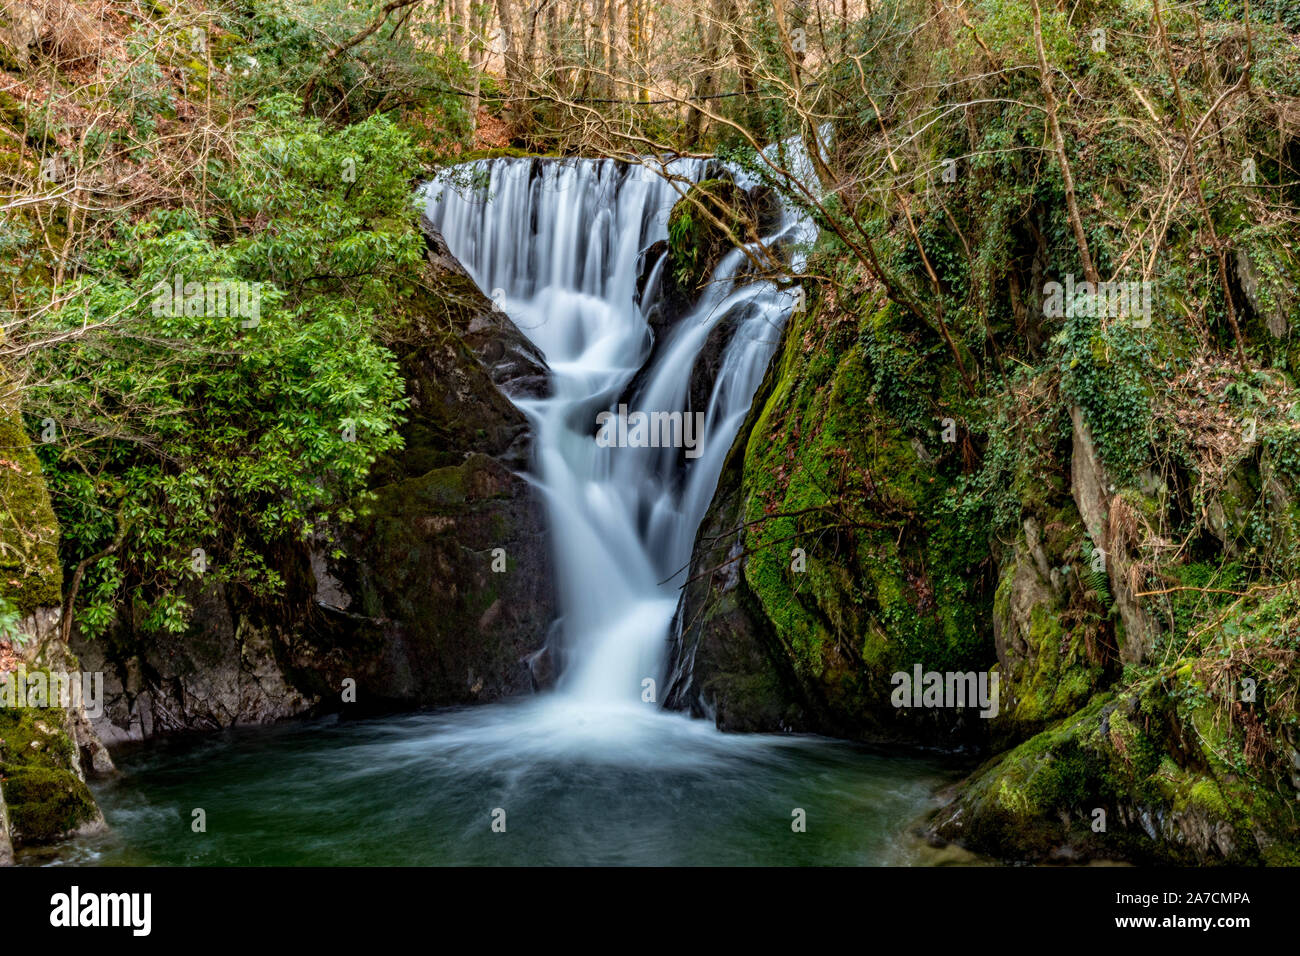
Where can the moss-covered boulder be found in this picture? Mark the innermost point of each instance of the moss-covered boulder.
(1132, 775)
(698, 227)
(832, 556)
(715, 216)
(728, 664)
(1053, 622)
(1195, 760)
(1050, 662)
(31, 577)
(40, 776)
(47, 805)
(43, 795)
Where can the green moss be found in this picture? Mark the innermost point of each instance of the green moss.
(1205, 793)
(1056, 678)
(47, 804)
(888, 581)
(8, 61)
(1064, 778)
(1116, 754)
(33, 738)
(46, 798)
(30, 574)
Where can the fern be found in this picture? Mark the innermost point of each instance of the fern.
(1096, 578)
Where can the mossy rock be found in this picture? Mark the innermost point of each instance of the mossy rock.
(887, 585)
(499, 152)
(1047, 671)
(1131, 776)
(30, 574)
(34, 738)
(47, 805)
(24, 123)
(703, 226)
(892, 590)
(9, 62)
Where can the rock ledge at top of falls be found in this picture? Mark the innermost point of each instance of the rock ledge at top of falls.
(412, 610)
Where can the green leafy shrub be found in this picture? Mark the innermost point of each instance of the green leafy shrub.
(199, 443)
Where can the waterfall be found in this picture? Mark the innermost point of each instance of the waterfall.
(591, 774)
(560, 246)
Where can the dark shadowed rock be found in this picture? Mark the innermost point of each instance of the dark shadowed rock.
(664, 304)
(516, 365)
(220, 672)
(708, 362)
(543, 667)
(765, 207)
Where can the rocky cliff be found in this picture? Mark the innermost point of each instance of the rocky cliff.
(1146, 705)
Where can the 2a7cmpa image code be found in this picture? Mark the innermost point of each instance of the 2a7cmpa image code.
(1204, 918)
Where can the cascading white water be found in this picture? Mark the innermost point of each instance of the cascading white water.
(556, 243)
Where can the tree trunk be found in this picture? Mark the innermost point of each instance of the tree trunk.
(706, 83)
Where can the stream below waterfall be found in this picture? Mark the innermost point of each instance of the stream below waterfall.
(578, 787)
(593, 772)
